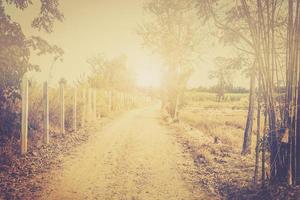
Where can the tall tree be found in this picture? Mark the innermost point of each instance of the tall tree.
(292, 95)
(272, 31)
(15, 53)
(256, 28)
(172, 31)
(230, 20)
(111, 73)
(249, 122)
(223, 73)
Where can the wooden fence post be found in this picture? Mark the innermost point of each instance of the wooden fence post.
(120, 100)
(98, 114)
(123, 100)
(94, 105)
(83, 114)
(46, 113)
(117, 101)
(126, 101)
(24, 132)
(62, 107)
(109, 101)
(89, 105)
(75, 110)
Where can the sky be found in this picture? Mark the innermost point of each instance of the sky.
(106, 27)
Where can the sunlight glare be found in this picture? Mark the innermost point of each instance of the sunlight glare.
(148, 77)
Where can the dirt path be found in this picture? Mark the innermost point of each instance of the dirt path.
(133, 157)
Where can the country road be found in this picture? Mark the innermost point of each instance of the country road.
(132, 157)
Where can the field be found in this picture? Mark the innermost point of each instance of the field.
(213, 133)
(225, 120)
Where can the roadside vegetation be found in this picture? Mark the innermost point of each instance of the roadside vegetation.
(212, 132)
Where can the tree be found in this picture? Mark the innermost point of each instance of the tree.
(249, 123)
(292, 97)
(223, 73)
(111, 74)
(15, 53)
(264, 28)
(230, 19)
(270, 31)
(172, 31)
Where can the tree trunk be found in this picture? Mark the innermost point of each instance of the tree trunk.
(263, 153)
(248, 129)
(257, 135)
(297, 128)
(175, 116)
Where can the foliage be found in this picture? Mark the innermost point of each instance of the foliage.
(266, 32)
(172, 31)
(224, 71)
(110, 74)
(15, 54)
(213, 89)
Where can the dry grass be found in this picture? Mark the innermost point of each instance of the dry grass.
(221, 168)
(213, 133)
(224, 120)
(10, 146)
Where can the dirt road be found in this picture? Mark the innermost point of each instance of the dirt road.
(133, 157)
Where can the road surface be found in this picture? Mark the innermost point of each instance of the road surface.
(133, 157)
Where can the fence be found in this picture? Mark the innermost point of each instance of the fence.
(88, 111)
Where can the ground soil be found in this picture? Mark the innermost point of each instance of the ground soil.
(138, 154)
(132, 157)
